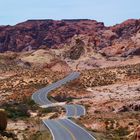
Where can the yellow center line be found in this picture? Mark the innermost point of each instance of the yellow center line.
(75, 111)
(73, 137)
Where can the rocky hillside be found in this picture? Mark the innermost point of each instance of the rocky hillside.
(112, 100)
(122, 39)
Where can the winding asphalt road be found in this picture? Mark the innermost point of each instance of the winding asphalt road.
(63, 129)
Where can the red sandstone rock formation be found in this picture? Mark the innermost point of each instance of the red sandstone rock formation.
(122, 39)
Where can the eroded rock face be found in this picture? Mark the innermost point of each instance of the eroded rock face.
(77, 50)
(3, 120)
(137, 133)
(130, 107)
(122, 39)
(34, 34)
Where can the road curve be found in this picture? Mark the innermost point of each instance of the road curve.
(63, 129)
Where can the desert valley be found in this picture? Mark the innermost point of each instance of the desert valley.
(37, 53)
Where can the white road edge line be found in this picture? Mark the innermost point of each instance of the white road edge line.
(67, 112)
(83, 109)
(39, 94)
(49, 129)
(81, 128)
(40, 98)
(46, 97)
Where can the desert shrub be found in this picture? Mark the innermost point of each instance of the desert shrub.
(17, 111)
(121, 131)
(31, 104)
(48, 110)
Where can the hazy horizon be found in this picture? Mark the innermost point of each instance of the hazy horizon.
(110, 12)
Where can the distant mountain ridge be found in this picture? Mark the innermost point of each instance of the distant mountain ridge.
(121, 39)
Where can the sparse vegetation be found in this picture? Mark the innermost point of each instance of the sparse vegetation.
(41, 135)
(20, 81)
(17, 111)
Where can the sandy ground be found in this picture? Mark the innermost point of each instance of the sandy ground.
(99, 61)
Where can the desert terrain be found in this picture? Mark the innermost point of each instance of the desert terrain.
(37, 53)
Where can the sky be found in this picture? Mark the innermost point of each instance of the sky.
(108, 11)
